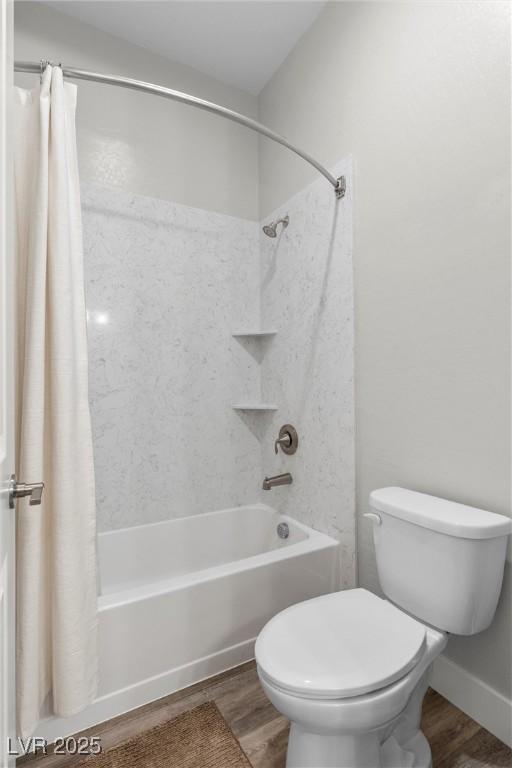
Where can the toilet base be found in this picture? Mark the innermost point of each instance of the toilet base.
(313, 750)
(320, 750)
(400, 744)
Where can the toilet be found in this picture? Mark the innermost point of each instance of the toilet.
(350, 669)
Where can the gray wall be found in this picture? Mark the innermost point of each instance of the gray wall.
(419, 93)
(140, 143)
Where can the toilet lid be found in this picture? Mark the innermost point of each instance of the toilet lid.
(339, 645)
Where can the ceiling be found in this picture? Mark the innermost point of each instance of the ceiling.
(239, 42)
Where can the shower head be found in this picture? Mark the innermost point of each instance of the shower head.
(271, 229)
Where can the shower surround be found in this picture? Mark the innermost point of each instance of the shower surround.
(167, 286)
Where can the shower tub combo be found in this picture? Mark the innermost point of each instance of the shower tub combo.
(184, 599)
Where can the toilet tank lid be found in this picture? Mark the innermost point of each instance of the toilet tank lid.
(440, 515)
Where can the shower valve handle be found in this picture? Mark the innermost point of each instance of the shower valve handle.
(287, 440)
(19, 490)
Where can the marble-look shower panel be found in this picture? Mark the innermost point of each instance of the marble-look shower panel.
(307, 295)
(166, 285)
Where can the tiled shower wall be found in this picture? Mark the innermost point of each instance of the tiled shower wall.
(166, 286)
(307, 295)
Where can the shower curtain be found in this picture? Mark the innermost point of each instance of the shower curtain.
(56, 542)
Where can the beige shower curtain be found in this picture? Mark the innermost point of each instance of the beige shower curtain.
(56, 557)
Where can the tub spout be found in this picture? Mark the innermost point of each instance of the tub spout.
(271, 482)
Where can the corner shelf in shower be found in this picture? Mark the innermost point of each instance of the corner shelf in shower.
(254, 407)
(254, 334)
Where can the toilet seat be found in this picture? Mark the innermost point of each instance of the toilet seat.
(339, 645)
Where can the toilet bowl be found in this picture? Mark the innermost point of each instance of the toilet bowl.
(350, 669)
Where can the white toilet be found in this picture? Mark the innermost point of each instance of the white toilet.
(349, 669)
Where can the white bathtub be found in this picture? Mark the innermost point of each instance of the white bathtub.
(185, 599)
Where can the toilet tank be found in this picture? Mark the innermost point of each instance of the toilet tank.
(440, 561)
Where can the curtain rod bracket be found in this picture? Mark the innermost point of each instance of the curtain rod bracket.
(340, 188)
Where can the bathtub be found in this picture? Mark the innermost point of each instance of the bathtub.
(184, 599)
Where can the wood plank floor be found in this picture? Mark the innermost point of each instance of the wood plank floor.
(456, 740)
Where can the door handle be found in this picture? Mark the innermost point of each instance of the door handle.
(19, 490)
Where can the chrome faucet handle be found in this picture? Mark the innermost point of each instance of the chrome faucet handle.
(288, 439)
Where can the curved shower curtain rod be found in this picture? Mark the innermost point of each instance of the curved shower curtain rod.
(184, 98)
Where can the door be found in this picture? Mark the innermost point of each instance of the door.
(7, 648)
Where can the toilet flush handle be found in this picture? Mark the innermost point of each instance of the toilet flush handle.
(377, 519)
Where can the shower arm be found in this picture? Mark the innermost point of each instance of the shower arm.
(184, 98)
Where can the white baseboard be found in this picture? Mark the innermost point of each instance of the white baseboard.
(489, 708)
(119, 702)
